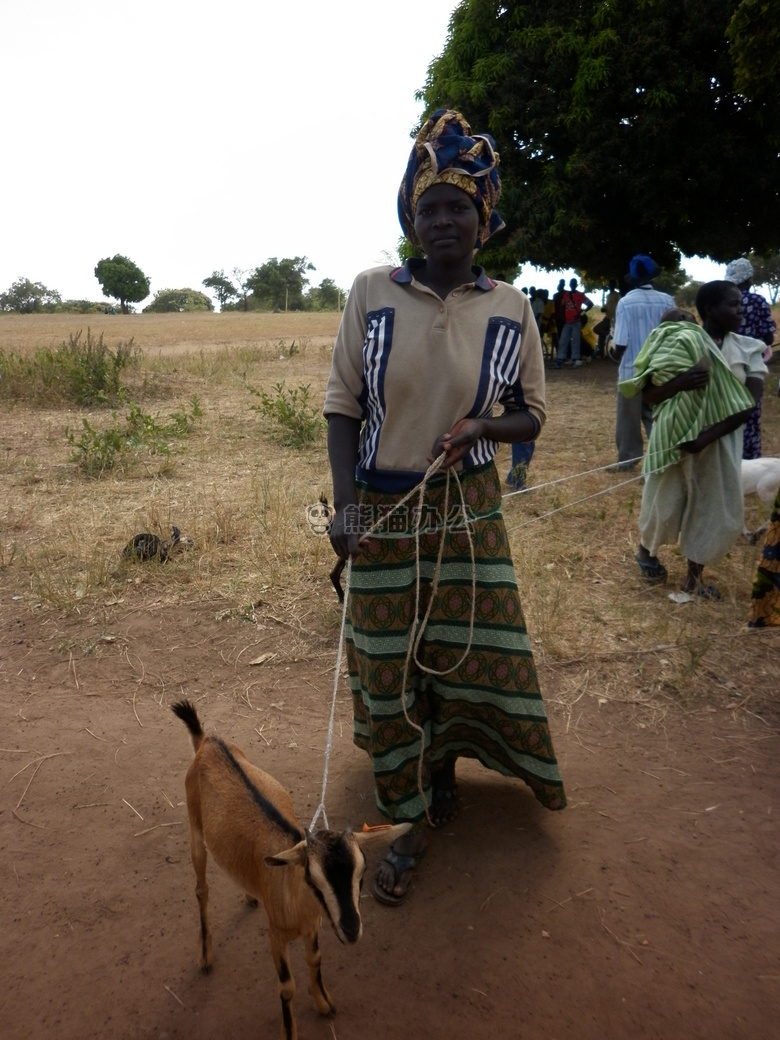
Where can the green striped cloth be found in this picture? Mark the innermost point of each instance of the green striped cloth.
(669, 350)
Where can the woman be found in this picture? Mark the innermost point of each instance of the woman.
(757, 321)
(703, 383)
(423, 354)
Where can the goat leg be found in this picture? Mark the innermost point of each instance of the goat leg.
(198, 852)
(286, 985)
(322, 1000)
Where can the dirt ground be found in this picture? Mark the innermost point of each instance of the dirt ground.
(647, 909)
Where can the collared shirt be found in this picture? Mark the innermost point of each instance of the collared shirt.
(410, 364)
(637, 314)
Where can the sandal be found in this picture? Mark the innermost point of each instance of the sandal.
(704, 592)
(401, 865)
(445, 805)
(652, 569)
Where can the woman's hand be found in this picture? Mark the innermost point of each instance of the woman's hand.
(461, 438)
(344, 531)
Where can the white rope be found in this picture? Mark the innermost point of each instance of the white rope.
(320, 811)
(413, 643)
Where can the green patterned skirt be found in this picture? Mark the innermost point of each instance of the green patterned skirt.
(489, 707)
(765, 598)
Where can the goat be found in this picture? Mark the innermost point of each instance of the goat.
(760, 477)
(148, 546)
(246, 818)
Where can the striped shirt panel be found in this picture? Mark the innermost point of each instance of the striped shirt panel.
(671, 349)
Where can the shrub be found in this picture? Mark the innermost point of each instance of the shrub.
(97, 451)
(81, 371)
(297, 422)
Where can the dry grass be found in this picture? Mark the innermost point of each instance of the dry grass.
(597, 629)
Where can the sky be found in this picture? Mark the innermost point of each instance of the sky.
(191, 137)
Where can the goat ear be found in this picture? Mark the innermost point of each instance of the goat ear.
(294, 857)
(384, 836)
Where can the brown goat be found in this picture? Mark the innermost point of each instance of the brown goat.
(247, 820)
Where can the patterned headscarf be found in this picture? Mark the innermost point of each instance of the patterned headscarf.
(445, 152)
(739, 271)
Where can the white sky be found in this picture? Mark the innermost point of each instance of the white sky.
(192, 137)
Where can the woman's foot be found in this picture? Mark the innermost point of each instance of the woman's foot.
(650, 567)
(694, 582)
(393, 877)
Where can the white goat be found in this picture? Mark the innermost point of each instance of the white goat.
(247, 820)
(760, 477)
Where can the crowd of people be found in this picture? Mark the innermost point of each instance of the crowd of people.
(435, 365)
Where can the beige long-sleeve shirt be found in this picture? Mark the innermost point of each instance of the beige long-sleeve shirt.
(409, 365)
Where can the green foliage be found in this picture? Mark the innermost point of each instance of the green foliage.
(81, 371)
(754, 35)
(297, 422)
(223, 288)
(80, 307)
(26, 297)
(620, 130)
(177, 300)
(121, 279)
(98, 451)
(327, 296)
(278, 284)
(766, 271)
(685, 296)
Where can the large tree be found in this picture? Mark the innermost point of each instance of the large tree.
(121, 279)
(619, 127)
(28, 297)
(222, 287)
(172, 300)
(279, 284)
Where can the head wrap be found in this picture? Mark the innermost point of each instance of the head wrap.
(642, 269)
(739, 271)
(445, 152)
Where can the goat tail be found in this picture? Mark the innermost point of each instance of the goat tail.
(185, 710)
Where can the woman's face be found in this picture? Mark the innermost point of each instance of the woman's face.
(726, 315)
(446, 223)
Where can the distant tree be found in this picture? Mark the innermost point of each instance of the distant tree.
(620, 128)
(685, 296)
(28, 297)
(326, 296)
(278, 285)
(121, 279)
(766, 271)
(222, 287)
(671, 281)
(171, 300)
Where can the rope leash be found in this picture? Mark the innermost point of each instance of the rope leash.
(413, 647)
(414, 644)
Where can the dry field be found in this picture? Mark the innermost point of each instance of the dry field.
(647, 909)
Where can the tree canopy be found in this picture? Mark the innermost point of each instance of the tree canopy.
(171, 300)
(279, 284)
(121, 279)
(620, 129)
(222, 287)
(28, 297)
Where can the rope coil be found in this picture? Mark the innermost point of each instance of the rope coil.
(414, 644)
